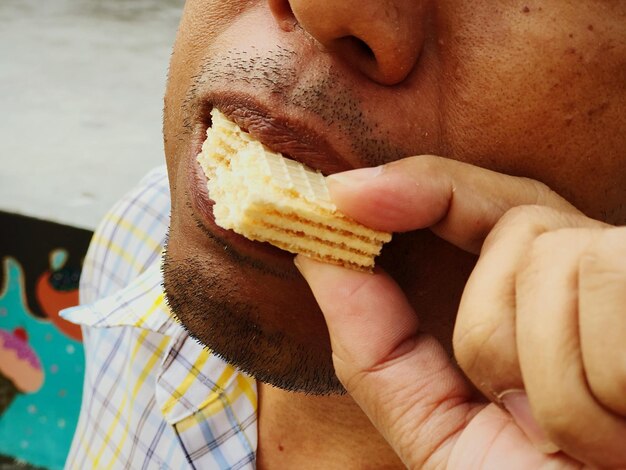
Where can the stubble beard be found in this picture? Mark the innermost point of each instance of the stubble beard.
(211, 307)
(202, 290)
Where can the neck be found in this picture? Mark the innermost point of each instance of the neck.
(304, 431)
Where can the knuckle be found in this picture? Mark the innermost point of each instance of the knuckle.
(548, 248)
(599, 276)
(540, 193)
(517, 220)
(541, 250)
(537, 218)
(555, 245)
(544, 196)
(547, 242)
(604, 259)
(545, 246)
(523, 216)
(529, 218)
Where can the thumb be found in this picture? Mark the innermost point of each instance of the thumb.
(461, 203)
(403, 380)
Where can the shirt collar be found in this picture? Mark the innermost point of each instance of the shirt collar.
(189, 377)
(141, 304)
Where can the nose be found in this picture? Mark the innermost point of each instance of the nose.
(381, 38)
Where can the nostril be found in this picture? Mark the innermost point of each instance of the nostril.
(354, 50)
(381, 40)
(360, 47)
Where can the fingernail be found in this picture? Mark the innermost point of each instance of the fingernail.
(357, 176)
(298, 264)
(517, 404)
(301, 264)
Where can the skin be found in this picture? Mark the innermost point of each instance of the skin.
(540, 328)
(531, 90)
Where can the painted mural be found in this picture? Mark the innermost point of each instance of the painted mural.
(41, 355)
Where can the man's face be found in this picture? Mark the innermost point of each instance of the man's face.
(535, 89)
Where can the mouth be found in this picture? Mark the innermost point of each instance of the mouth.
(292, 138)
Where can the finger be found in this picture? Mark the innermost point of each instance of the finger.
(493, 441)
(485, 331)
(550, 356)
(602, 317)
(405, 383)
(403, 380)
(460, 202)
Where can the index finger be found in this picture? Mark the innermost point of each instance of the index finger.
(460, 202)
(402, 379)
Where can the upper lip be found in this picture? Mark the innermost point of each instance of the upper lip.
(288, 136)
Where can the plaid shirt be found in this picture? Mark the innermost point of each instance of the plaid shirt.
(153, 397)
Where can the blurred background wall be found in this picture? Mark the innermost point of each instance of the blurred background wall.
(81, 87)
(81, 96)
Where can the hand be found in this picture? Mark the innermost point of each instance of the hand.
(541, 327)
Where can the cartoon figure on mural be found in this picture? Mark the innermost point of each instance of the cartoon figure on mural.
(57, 289)
(20, 368)
(41, 364)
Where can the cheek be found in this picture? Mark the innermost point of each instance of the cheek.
(541, 97)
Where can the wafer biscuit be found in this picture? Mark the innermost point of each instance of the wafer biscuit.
(266, 197)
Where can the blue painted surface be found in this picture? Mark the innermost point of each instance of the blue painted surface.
(38, 427)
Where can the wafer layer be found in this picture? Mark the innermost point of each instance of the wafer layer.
(265, 197)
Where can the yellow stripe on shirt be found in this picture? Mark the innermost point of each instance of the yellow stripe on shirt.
(192, 375)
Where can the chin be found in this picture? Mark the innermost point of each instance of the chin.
(261, 319)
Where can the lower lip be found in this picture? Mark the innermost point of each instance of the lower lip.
(203, 208)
